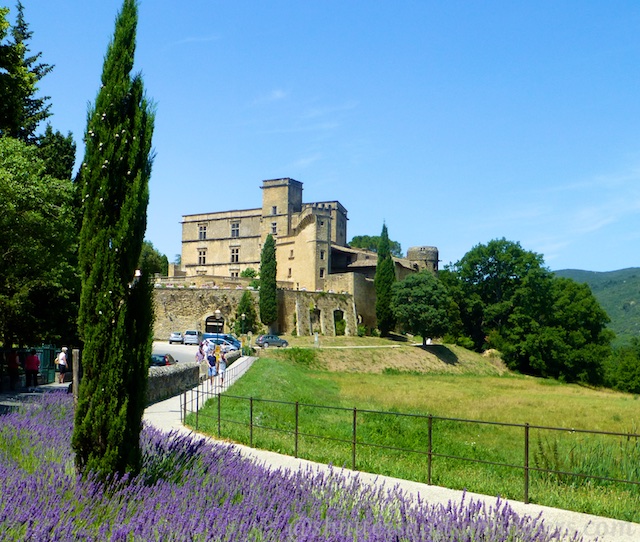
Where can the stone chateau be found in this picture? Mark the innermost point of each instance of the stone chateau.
(312, 255)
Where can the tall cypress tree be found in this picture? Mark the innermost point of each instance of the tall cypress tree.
(383, 282)
(116, 313)
(268, 302)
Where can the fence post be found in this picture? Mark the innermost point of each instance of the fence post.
(197, 405)
(219, 406)
(353, 443)
(429, 447)
(296, 430)
(251, 422)
(184, 408)
(526, 463)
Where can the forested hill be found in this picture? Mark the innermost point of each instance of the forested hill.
(618, 292)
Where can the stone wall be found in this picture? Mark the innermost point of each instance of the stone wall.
(165, 382)
(179, 309)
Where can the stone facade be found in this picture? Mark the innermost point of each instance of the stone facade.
(179, 309)
(223, 244)
(312, 256)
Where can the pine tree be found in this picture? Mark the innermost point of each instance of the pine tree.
(20, 110)
(268, 290)
(116, 314)
(383, 282)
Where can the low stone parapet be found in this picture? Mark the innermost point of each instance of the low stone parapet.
(171, 380)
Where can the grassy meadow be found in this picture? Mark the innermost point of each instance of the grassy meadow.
(448, 383)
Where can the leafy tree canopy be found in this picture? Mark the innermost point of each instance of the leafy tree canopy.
(39, 283)
(543, 325)
(152, 261)
(246, 307)
(371, 242)
(421, 305)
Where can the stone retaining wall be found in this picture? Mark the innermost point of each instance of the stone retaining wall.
(165, 382)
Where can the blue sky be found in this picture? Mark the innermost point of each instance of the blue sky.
(453, 122)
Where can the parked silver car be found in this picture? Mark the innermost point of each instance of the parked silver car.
(176, 337)
(191, 336)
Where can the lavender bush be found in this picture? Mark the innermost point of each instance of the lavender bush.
(191, 489)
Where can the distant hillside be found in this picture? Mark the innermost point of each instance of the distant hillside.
(618, 292)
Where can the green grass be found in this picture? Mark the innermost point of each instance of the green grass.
(297, 375)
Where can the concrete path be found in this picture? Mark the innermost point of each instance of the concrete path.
(166, 416)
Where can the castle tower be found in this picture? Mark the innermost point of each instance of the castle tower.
(423, 258)
(281, 198)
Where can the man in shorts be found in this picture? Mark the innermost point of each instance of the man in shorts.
(63, 365)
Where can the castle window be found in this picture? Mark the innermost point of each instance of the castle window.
(291, 254)
(322, 272)
(202, 257)
(274, 228)
(322, 222)
(235, 229)
(322, 254)
(234, 274)
(289, 273)
(274, 210)
(235, 255)
(202, 232)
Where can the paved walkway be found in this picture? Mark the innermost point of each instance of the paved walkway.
(166, 416)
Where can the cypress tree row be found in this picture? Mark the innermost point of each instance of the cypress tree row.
(116, 313)
(383, 283)
(268, 302)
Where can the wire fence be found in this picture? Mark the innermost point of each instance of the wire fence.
(557, 454)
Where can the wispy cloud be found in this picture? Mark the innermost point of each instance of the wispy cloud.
(275, 95)
(305, 161)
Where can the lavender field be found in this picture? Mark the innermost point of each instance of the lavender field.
(191, 489)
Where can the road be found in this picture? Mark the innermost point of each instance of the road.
(181, 352)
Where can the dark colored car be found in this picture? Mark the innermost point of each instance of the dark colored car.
(266, 341)
(161, 360)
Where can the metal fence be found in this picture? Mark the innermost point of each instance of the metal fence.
(193, 401)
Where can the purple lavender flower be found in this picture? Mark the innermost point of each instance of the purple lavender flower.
(192, 489)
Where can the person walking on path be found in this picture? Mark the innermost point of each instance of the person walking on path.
(62, 365)
(213, 370)
(222, 367)
(31, 368)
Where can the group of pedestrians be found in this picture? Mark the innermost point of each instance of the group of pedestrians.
(215, 358)
(32, 367)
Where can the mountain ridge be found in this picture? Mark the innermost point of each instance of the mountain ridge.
(618, 292)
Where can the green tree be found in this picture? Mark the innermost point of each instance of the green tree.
(58, 153)
(152, 261)
(623, 368)
(39, 287)
(116, 315)
(543, 325)
(20, 110)
(371, 242)
(421, 305)
(383, 282)
(250, 321)
(268, 301)
(251, 273)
